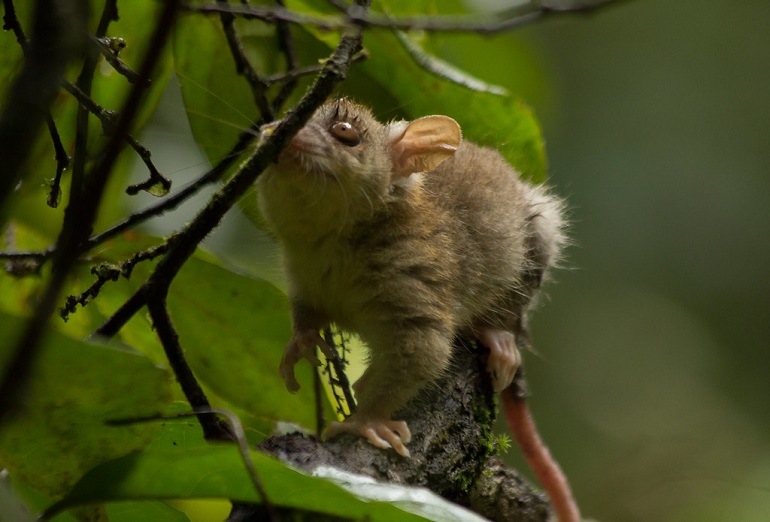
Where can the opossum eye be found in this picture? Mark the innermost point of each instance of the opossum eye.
(345, 133)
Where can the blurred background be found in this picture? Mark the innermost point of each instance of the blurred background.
(651, 382)
(652, 385)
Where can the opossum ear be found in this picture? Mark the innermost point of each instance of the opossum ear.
(423, 144)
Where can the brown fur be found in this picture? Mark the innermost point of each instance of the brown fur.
(405, 262)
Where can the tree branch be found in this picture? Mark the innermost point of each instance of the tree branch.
(453, 448)
(82, 209)
(243, 66)
(286, 45)
(353, 18)
(11, 22)
(156, 184)
(183, 244)
(110, 54)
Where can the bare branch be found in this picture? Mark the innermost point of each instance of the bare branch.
(81, 212)
(62, 163)
(353, 18)
(11, 22)
(213, 428)
(174, 200)
(286, 45)
(156, 184)
(109, 272)
(243, 65)
(291, 75)
(111, 56)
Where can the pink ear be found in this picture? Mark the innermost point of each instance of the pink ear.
(424, 144)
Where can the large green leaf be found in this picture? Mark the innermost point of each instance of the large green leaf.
(178, 464)
(233, 330)
(219, 102)
(59, 431)
(144, 511)
(503, 122)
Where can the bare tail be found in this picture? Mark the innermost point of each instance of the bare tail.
(538, 457)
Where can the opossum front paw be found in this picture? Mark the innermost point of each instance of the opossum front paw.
(302, 345)
(504, 357)
(382, 433)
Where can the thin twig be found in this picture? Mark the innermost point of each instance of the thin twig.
(11, 22)
(349, 20)
(62, 163)
(124, 314)
(243, 66)
(286, 45)
(294, 74)
(156, 184)
(352, 18)
(79, 217)
(176, 199)
(119, 65)
(340, 378)
(109, 272)
(213, 429)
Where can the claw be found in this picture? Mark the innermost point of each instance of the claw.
(504, 357)
(383, 434)
(301, 346)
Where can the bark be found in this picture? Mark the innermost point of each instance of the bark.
(454, 451)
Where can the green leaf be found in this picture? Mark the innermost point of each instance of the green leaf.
(233, 330)
(59, 431)
(219, 103)
(178, 464)
(391, 78)
(148, 511)
(502, 122)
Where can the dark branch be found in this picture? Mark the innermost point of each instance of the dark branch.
(109, 272)
(353, 18)
(294, 74)
(62, 163)
(111, 56)
(174, 200)
(213, 428)
(243, 66)
(57, 30)
(81, 212)
(156, 184)
(286, 45)
(124, 314)
(22, 125)
(188, 239)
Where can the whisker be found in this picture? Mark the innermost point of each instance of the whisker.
(214, 95)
